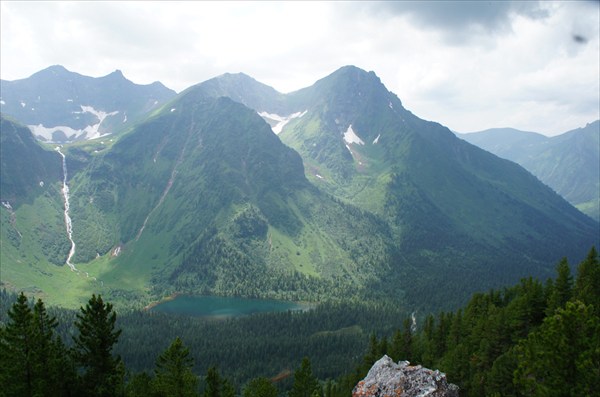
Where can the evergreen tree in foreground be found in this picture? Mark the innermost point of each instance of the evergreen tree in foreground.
(562, 357)
(102, 373)
(174, 376)
(305, 383)
(34, 361)
(217, 386)
(16, 344)
(260, 387)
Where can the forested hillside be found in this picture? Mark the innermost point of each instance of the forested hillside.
(349, 195)
(533, 339)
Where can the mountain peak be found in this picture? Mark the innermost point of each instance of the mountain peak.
(54, 70)
(117, 72)
(355, 73)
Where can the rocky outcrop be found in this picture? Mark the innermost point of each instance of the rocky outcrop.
(388, 379)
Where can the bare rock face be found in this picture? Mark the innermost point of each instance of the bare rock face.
(388, 379)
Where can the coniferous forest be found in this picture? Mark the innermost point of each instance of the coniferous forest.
(536, 338)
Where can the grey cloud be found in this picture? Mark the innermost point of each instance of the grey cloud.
(458, 20)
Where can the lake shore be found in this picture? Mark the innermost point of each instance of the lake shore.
(153, 304)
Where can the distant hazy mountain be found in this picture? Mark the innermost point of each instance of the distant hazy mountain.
(569, 163)
(62, 106)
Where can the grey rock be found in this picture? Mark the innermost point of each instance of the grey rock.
(388, 379)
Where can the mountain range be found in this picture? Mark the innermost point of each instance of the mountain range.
(332, 191)
(569, 163)
(62, 106)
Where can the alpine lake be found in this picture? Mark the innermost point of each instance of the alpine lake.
(224, 307)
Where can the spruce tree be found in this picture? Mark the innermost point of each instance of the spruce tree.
(173, 372)
(587, 286)
(16, 350)
(260, 387)
(52, 369)
(305, 383)
(562, 289)
(213, 383)
(562, 357)
(96, 323)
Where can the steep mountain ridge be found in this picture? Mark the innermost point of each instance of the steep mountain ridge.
(210, 201)
(25, 166)
(451, 205)
(62, 106)
(31, 215)
(203, 197)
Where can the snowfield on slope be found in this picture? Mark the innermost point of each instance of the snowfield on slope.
(91, 131)
(281, 120)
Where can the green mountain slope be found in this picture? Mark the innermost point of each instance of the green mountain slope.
(26, 167)
(62, 106)
(461, 217)
(204, 198)
(569, 163)
(33, 238)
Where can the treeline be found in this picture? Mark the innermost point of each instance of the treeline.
(532, 339)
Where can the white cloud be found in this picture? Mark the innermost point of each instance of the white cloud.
(467, 66)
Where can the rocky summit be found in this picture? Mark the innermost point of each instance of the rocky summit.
(386, 378)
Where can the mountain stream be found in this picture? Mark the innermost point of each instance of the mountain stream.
(68, 223)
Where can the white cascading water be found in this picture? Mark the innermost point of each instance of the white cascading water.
(68, 223)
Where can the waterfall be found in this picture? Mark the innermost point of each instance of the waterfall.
(68, 223)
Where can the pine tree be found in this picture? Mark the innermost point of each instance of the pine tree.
(213, 383)
(587, 285)
(562, 357)
(305, 383)
(173, 372)
(141, 385)
(562, 289)
(16, 344)
(93, 349)
(260, 387)
(52, 369)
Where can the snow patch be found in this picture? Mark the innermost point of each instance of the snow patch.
(6, 205)
(376, 139)
(23, 104)
(351, 137)
(69, 100)
(390, 105)
(281, 120)
(318, 176)
(2, 102)
(41, 183)
(125, 119)
(172, 110)
(91, 131)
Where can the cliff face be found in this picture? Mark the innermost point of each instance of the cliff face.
(388, 379)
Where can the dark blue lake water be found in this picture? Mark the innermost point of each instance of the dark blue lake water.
(224, 307)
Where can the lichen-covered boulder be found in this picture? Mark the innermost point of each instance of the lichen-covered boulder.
(388, 379)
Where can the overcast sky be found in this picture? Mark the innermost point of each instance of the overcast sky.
(467, 65)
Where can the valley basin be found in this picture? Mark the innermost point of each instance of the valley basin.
(224, 307)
